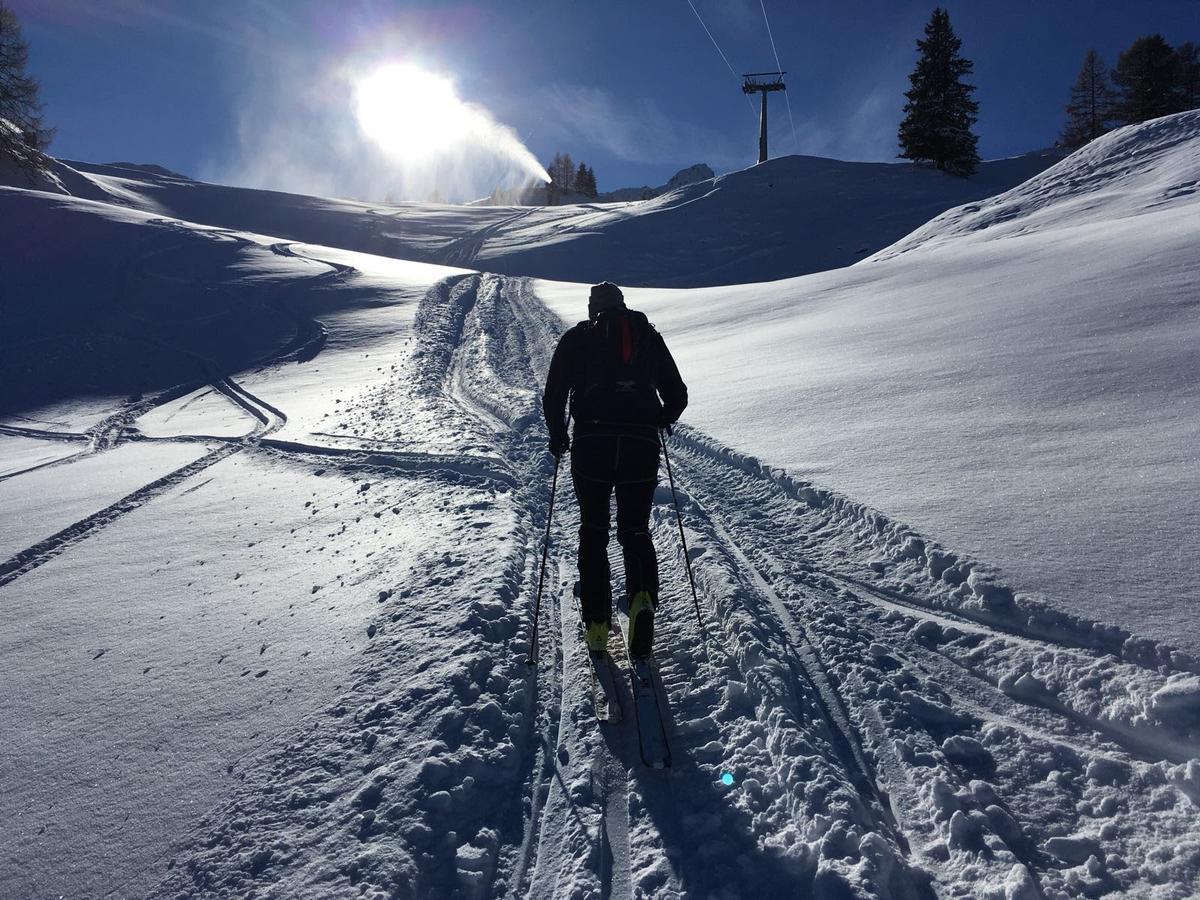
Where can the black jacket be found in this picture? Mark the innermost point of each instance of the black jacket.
(614, 370)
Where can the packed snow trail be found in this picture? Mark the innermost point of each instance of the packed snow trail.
(879, 743)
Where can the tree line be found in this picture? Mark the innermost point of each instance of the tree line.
(567, 178)
(1151, 79)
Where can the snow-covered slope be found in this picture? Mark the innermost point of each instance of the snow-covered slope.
(273, 517)
(1018, 379)
(1132, 171)
(790, 216)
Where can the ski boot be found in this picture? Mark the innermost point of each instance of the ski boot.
(596, 635)
(641, 625)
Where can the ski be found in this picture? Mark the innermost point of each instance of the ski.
(605, 702)
(647, 702)
(606, 699)
(648, 706)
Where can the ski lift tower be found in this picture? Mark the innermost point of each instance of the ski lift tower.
(762, 88)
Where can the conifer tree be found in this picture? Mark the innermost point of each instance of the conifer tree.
(1189, 75)
(585, 180)
(1090, 107)
(940, 111)
(26, 135)
(1147, 78)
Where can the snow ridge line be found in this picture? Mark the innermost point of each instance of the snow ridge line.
(963, 586)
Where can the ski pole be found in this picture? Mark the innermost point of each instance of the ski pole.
(683, 540)
(531, 658)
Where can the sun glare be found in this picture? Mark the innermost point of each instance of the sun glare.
(412, 114)
(418, 121)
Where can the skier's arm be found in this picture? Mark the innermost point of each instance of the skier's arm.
(558, 389)
(671, 388)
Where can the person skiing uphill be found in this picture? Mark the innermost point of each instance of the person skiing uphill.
(623, 386)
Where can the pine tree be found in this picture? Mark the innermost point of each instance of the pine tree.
(1147, 77)
(1090, 107)
(940, 112)
(1189, 75)
(585, 180)
(26, 135)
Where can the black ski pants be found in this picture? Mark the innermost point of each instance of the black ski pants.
(627, 464)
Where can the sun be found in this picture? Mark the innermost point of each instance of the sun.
(410, 113)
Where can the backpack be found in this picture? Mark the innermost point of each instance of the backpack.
(619, 368)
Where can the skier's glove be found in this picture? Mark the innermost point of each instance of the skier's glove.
(560, 444)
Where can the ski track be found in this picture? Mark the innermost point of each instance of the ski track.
(883, 741)
(953, 678)
(112, 430)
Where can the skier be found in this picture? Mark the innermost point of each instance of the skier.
(623, 387)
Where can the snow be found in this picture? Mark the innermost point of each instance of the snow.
(22, 454)
(1030, 399)
(273, 503)
(48, 502)
(791, 216)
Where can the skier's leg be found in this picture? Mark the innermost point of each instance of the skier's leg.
(633, 532)
(638, 473)
(593, 491)
(595, 591)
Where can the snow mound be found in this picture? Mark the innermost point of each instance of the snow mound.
(1131, 171)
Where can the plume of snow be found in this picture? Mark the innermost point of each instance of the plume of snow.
(370, 135)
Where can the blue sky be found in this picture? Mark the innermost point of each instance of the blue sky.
(634, 87)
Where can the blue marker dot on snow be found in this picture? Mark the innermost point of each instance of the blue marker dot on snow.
(727, 778)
